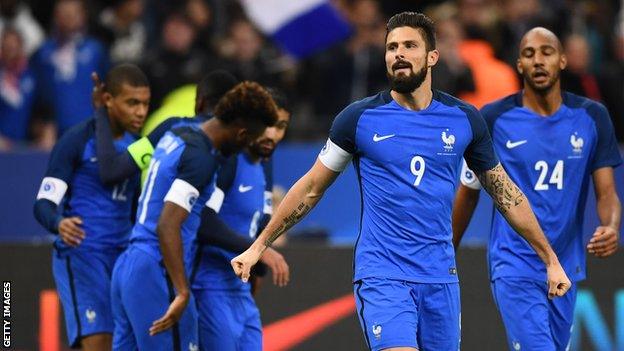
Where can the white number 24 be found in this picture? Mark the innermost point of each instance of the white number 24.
(556, 177)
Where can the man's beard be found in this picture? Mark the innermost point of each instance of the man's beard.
(257, 150)
(406, 84)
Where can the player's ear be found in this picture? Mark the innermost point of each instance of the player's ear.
(519, 66)
(563, 62)
(432, 57)
(108, 99)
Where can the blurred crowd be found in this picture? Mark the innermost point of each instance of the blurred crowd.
(48, 50)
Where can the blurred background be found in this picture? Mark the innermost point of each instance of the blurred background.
(48, 50)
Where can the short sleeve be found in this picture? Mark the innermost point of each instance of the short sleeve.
(340, 146)
(64, 159)
(468, 178)
(196, 170)
(606, 153)
(479, 154)
(223, 182)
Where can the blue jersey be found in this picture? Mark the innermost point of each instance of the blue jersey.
(63, 74)
(407, 164)
(16, 103)
(550, 159)
(242, 196)
(73, 182)
(181, 171)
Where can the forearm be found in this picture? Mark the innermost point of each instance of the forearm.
(609, 210)
(46, 213)
(514, 206)
(212, 231)
(172, 252)
(301, 198)
(113, 167)
(465, 203)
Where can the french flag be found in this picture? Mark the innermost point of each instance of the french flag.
(300, 27)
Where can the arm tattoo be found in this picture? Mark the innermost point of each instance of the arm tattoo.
(501, 188)
(288, 222)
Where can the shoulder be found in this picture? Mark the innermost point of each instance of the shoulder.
(498, 107)
(78, 134)
(593, 108)
(198, 148)
(449, 100)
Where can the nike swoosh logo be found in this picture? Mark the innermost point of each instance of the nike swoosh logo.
(377, 138)
(244, 189)
(511, 145)
(306, 324)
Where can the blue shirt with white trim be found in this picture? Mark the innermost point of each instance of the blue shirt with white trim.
(407, 164)
(551, 160)
(181, 171)
(72, 181)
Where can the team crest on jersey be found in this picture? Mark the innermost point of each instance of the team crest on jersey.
(516, 345)
(193, 347)
(448, 142)
(577, 145)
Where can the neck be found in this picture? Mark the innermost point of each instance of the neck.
(253, 157)
(543, 103)
(216, 132)
(418, 99)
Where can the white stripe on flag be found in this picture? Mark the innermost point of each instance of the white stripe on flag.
(270, 15)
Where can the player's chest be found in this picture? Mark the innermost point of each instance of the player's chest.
(246, 194)
(442, 141)
(532, 141)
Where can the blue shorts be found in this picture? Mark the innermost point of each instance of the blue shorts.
(396, 313)
(140, 294)
(532, 320)
(83, 284)
(228, 321)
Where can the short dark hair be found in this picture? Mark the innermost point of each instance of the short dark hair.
(279, 97)
(249, 103)
(213, 86)
(124, 73)
(415, 20)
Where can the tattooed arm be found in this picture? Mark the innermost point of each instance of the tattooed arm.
(299, 200)
(515, 207)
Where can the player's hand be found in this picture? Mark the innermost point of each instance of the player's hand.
(278, 265)
(172, 316)
(604, 242)
(242, 263)
(70, 231)
(97, 94)
(558, 282)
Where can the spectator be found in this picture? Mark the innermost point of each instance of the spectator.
(577, 77)
(16, 14)
(176, 62)
(352, 71)
(64, 63)
(493, 78)
(612, 80)
(122, 31)
(451, 73)
(249, 57)
(17, 89)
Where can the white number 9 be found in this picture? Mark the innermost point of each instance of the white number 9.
(417, 166)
